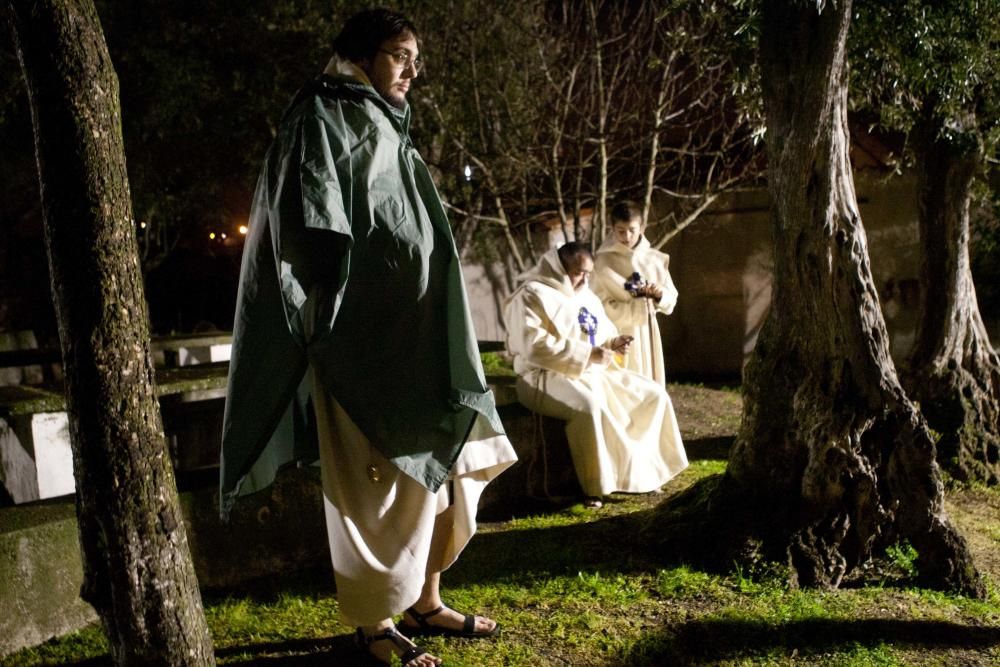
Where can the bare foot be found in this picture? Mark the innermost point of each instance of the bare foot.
(384, 642)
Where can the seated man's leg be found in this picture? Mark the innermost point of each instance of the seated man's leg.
(580, 405)
(641, 419)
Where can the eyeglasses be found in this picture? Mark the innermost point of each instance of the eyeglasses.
(403, 60)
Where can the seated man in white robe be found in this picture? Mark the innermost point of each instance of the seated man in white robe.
(621, 427)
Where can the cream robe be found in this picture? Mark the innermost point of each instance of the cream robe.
(614, 264)
(621, 427)
(380, 532)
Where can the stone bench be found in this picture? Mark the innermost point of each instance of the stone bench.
(169, 351)
(282, 527)
(35, 454)
(36, 461)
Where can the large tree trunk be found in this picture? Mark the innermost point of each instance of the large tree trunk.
(953, 371)
(137, 565)
(829, 442)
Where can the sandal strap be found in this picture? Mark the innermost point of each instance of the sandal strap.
(421, 619)
(412, 654)
(468, 623)
(410, 651)
(389, 633)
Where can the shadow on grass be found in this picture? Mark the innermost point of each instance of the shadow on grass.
(314, 581)
(624, 543)
(708, 641)
(339, 650)
(602, 545)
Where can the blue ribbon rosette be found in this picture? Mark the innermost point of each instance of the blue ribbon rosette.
(634, 284)
(588, 323)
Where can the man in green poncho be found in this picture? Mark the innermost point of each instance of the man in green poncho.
(351, 294)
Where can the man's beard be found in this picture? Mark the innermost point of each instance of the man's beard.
(395, 99)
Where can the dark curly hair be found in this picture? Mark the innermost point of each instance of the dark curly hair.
(364, 32)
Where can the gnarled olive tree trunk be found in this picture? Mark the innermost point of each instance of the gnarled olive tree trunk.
(829, 444)
(953, 371)
(137, 566)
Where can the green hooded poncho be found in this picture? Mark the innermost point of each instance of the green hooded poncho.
(349, 266)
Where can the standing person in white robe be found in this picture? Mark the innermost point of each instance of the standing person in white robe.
(350, 280)
(632, 301)
(621, 427)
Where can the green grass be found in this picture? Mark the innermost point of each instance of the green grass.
(495, 363)
(578, 587)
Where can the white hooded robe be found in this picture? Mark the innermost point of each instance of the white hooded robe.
(614, 264)
(621, 427)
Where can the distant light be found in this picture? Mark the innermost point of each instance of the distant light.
(142, 225)
(223, 235)
(244, 229)
(468, 173)
(211, 235)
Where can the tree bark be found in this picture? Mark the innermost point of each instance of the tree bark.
(953, 371)
(829, 442)
(137, 566)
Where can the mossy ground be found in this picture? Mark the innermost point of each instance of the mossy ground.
(577, 587)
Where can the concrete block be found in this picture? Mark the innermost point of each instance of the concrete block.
(279, 530)
(41, 571)
(15, 375)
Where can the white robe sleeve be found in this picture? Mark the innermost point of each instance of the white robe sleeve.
(657, 265)
(561, 354)
(534, 336)
(626, 313)
(669, 299)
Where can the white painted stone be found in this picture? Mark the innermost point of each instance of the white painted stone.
(36, 461)
(53, 454)
(190, 356)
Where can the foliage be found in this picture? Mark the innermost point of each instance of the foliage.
(917, 62)
(558, 109)
(202, 90)
(495, 363)
(908, 54)
(904, 557)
